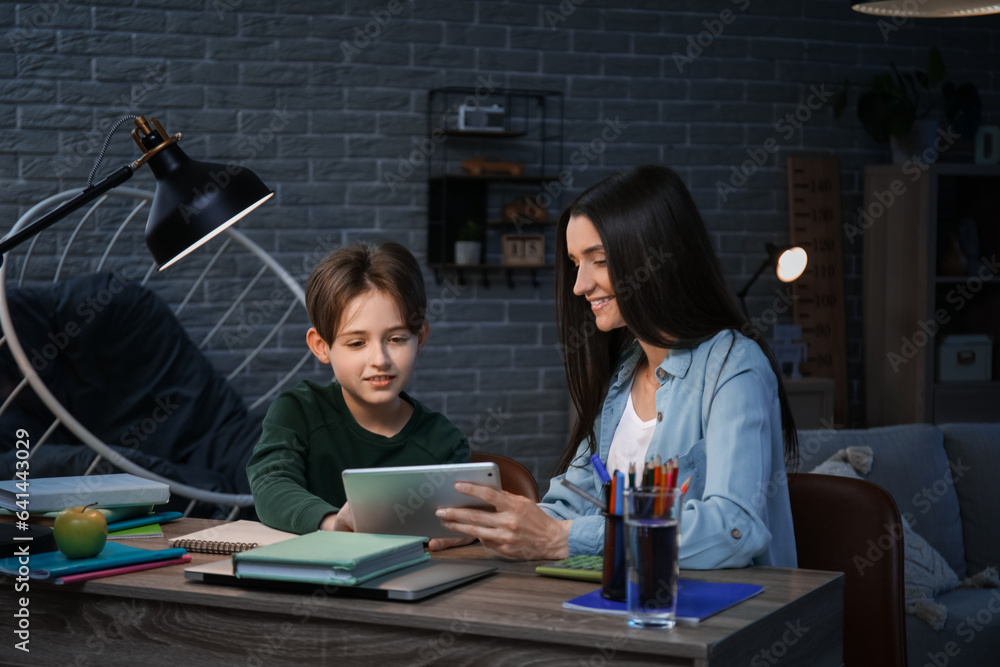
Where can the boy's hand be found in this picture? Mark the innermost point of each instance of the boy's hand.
(442, 543)
(342, 520)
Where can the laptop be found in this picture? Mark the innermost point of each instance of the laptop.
(402, 500)
(411, 583)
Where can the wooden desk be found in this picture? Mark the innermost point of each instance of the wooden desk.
(513, 618)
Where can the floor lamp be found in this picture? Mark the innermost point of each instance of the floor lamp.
(788, 261)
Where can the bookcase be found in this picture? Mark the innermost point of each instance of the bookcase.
(931, 238)
(521, 129)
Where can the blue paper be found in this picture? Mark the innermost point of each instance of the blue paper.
(696, 600)
(55, 564)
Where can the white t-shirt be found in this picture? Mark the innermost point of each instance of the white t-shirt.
(631, 440)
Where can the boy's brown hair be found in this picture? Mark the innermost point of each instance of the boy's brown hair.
(358, 268)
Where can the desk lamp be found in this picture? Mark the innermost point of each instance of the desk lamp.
(789, 263)
(194, 201)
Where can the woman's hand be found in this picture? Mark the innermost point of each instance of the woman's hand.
(342, 520)
(517, 529)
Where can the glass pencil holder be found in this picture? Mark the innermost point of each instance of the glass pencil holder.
(613, 575)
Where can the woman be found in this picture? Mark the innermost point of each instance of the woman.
(657, 365)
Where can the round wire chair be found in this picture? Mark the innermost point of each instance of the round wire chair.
(226, 282)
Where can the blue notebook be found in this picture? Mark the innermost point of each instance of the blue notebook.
(696, 600)
(53, 564)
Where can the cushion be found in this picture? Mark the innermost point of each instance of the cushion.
(910, 463)
(926, 573)
(974, 453)
(114, 355)
(970, 636)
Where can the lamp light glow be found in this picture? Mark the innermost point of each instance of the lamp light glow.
(791, 264)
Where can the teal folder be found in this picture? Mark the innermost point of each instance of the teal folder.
(330, 557)
(696, 600)
(145, 520)
(55, 564)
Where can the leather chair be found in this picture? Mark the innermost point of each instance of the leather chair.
(853, 526)
(514, 477)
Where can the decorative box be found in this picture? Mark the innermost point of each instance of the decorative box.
(965, 357)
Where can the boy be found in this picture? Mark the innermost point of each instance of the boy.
(367, 305)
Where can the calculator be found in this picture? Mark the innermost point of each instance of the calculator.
(587, 568)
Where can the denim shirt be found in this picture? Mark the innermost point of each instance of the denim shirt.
(722, 423)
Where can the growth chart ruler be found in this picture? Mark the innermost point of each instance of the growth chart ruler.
(814, 214)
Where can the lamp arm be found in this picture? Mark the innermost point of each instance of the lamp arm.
(746, 288)
(113, 180)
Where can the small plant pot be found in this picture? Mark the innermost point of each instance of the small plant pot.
(467, 252)
(916, 145)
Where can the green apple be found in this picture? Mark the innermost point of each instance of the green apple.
(80, 532)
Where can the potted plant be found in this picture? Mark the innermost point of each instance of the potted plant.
(901, 108)
(469, 242)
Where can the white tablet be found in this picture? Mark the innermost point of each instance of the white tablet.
(402, 500)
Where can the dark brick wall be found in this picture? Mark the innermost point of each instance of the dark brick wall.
(265, 83)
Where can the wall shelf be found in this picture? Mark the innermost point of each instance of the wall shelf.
(911, 298)
(531, 135)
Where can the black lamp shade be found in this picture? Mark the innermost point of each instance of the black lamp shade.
(195, 201)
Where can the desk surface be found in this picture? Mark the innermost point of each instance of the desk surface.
(157, 617)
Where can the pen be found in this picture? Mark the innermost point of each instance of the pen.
(602, 472)
(583, 494)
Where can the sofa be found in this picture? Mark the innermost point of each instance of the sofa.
(944, 480)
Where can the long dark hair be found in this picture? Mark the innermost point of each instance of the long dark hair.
(668, 284)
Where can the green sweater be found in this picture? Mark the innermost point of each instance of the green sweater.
(310, 437)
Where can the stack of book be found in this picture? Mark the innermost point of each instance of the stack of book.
(127, 501)
(331, 558)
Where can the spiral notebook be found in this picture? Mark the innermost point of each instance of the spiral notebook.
(229, 538)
